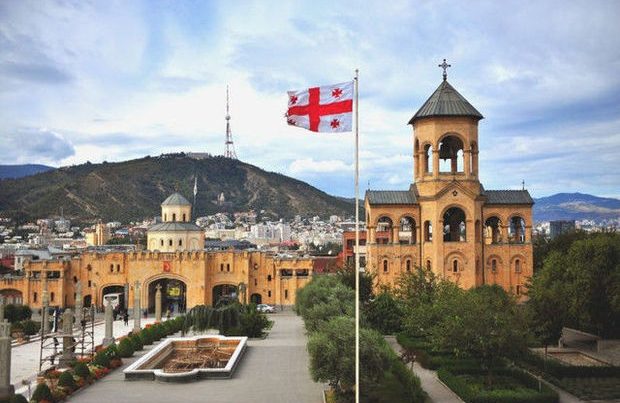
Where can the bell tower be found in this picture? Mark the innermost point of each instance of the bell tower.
(445, 138)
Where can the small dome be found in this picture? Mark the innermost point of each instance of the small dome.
(446, 101)
(176, 199)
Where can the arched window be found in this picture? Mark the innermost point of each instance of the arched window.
(255, 282)
(118, 268)
(408, 265)
(451, 155)
(517, 230)
(227, 266)
(184, 217)
(518, 289)
(385, 266)
(221, 266)
(35, 296)
(492, 232)
(111, 268)
(52, 296)
(169, 242)
(174, 216)
(269, 293)
(493, 265)
(165, 217)
(517, 266)
(407, 235)
(285, 294)
(455, 266)
(75, 279)
(428, 231)
(161, 242)
(428, 265)
(384, 230)
(180, 242)
(269, 279)
(428, 159)
(454, 229)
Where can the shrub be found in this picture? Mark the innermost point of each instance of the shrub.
(559, 370)
(253, 323)
(42, 392)
(30, 327)
(136, 341)
(104, 357)
(66, 380)
(17, 313)
(146, 335)
(125, 348)
(18, 399)
(81, 370)
(17, 327)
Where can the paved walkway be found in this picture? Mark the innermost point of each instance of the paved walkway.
(436, 390)
(25, 358)
(272, 370)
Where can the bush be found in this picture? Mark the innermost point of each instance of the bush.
(18, 399)
(81, 370)
(17, 313)
(104, 357)
(253, 323)
(42, 392)
(384, 313)
(125, 348)
(462, 388)
(136, 341)
(146, 336)
(559, 370)
(66, 380)
(30, 327)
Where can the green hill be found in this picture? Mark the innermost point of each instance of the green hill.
(132, 190)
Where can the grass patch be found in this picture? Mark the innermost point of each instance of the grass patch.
(592, 388)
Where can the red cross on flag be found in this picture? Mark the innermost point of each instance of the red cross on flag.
(328, 108)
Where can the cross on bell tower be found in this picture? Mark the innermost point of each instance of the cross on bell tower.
(444, 66)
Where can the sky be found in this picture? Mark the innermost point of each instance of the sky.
(117, 80)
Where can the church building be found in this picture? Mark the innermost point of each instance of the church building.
(447, 221)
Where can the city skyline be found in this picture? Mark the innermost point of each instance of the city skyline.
(97, 81)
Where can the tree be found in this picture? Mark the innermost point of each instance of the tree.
(384, 313)
(347, 277)
(484, 323)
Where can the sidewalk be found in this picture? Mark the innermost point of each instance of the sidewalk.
(436, 390)
(25, 357)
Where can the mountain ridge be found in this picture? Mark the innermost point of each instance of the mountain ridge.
(22, 170)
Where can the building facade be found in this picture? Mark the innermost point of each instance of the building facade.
(447, 221)
(188, 274)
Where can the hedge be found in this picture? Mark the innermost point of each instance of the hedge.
(559, 370)
(125, 348)
(463, 389)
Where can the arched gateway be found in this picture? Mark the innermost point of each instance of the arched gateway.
(173, 295)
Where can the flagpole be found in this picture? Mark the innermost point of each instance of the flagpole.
(357, 243)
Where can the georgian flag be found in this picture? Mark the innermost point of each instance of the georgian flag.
(328, 108)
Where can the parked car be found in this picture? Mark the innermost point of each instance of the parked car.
(265, 308)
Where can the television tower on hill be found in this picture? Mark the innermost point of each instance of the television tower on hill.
(230, 146)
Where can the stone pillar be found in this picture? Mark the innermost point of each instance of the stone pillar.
(44, 311)
(109, 322)
(67, 339)
(78, 303)
(435, 163)
(6, 389)
(396, 234)
(1, 309)
(136, 307)
(158, 304)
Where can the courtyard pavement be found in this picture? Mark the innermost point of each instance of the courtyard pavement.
(25, 357)
(272, 370)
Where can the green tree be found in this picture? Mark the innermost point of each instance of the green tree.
(484, 323)
(347, 277)
(384, 313)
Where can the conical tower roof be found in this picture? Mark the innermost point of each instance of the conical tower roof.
(446, 101)
(176, 199)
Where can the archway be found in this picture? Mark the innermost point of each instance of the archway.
(454, 229)
(173, 295)
(384, 230)
(492, 230)
(12, 296)
(407, 231)
(451, 154)
(256, 299)
(118, 294)
(224, 294)
(517, 230)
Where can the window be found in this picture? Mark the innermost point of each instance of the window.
(518, 290)
(90, 284)
(385, 266)
(285, 294)
(165, 217)
(161, 242)
(269, 277)
(174, 217)
(255, 282)
(455, 266)
(269, 293)
(34, 296)
(184, 217)
(227, 266)
(428, 231)
(428, 265)
(494, 266)
(517, 266)
(169, 242)
(221, 266)
(454, 229)
(74, 296)
(180, 242)
(111, 268)
(408, 265)
(75, 280)
(52, 295)
(118, 268)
